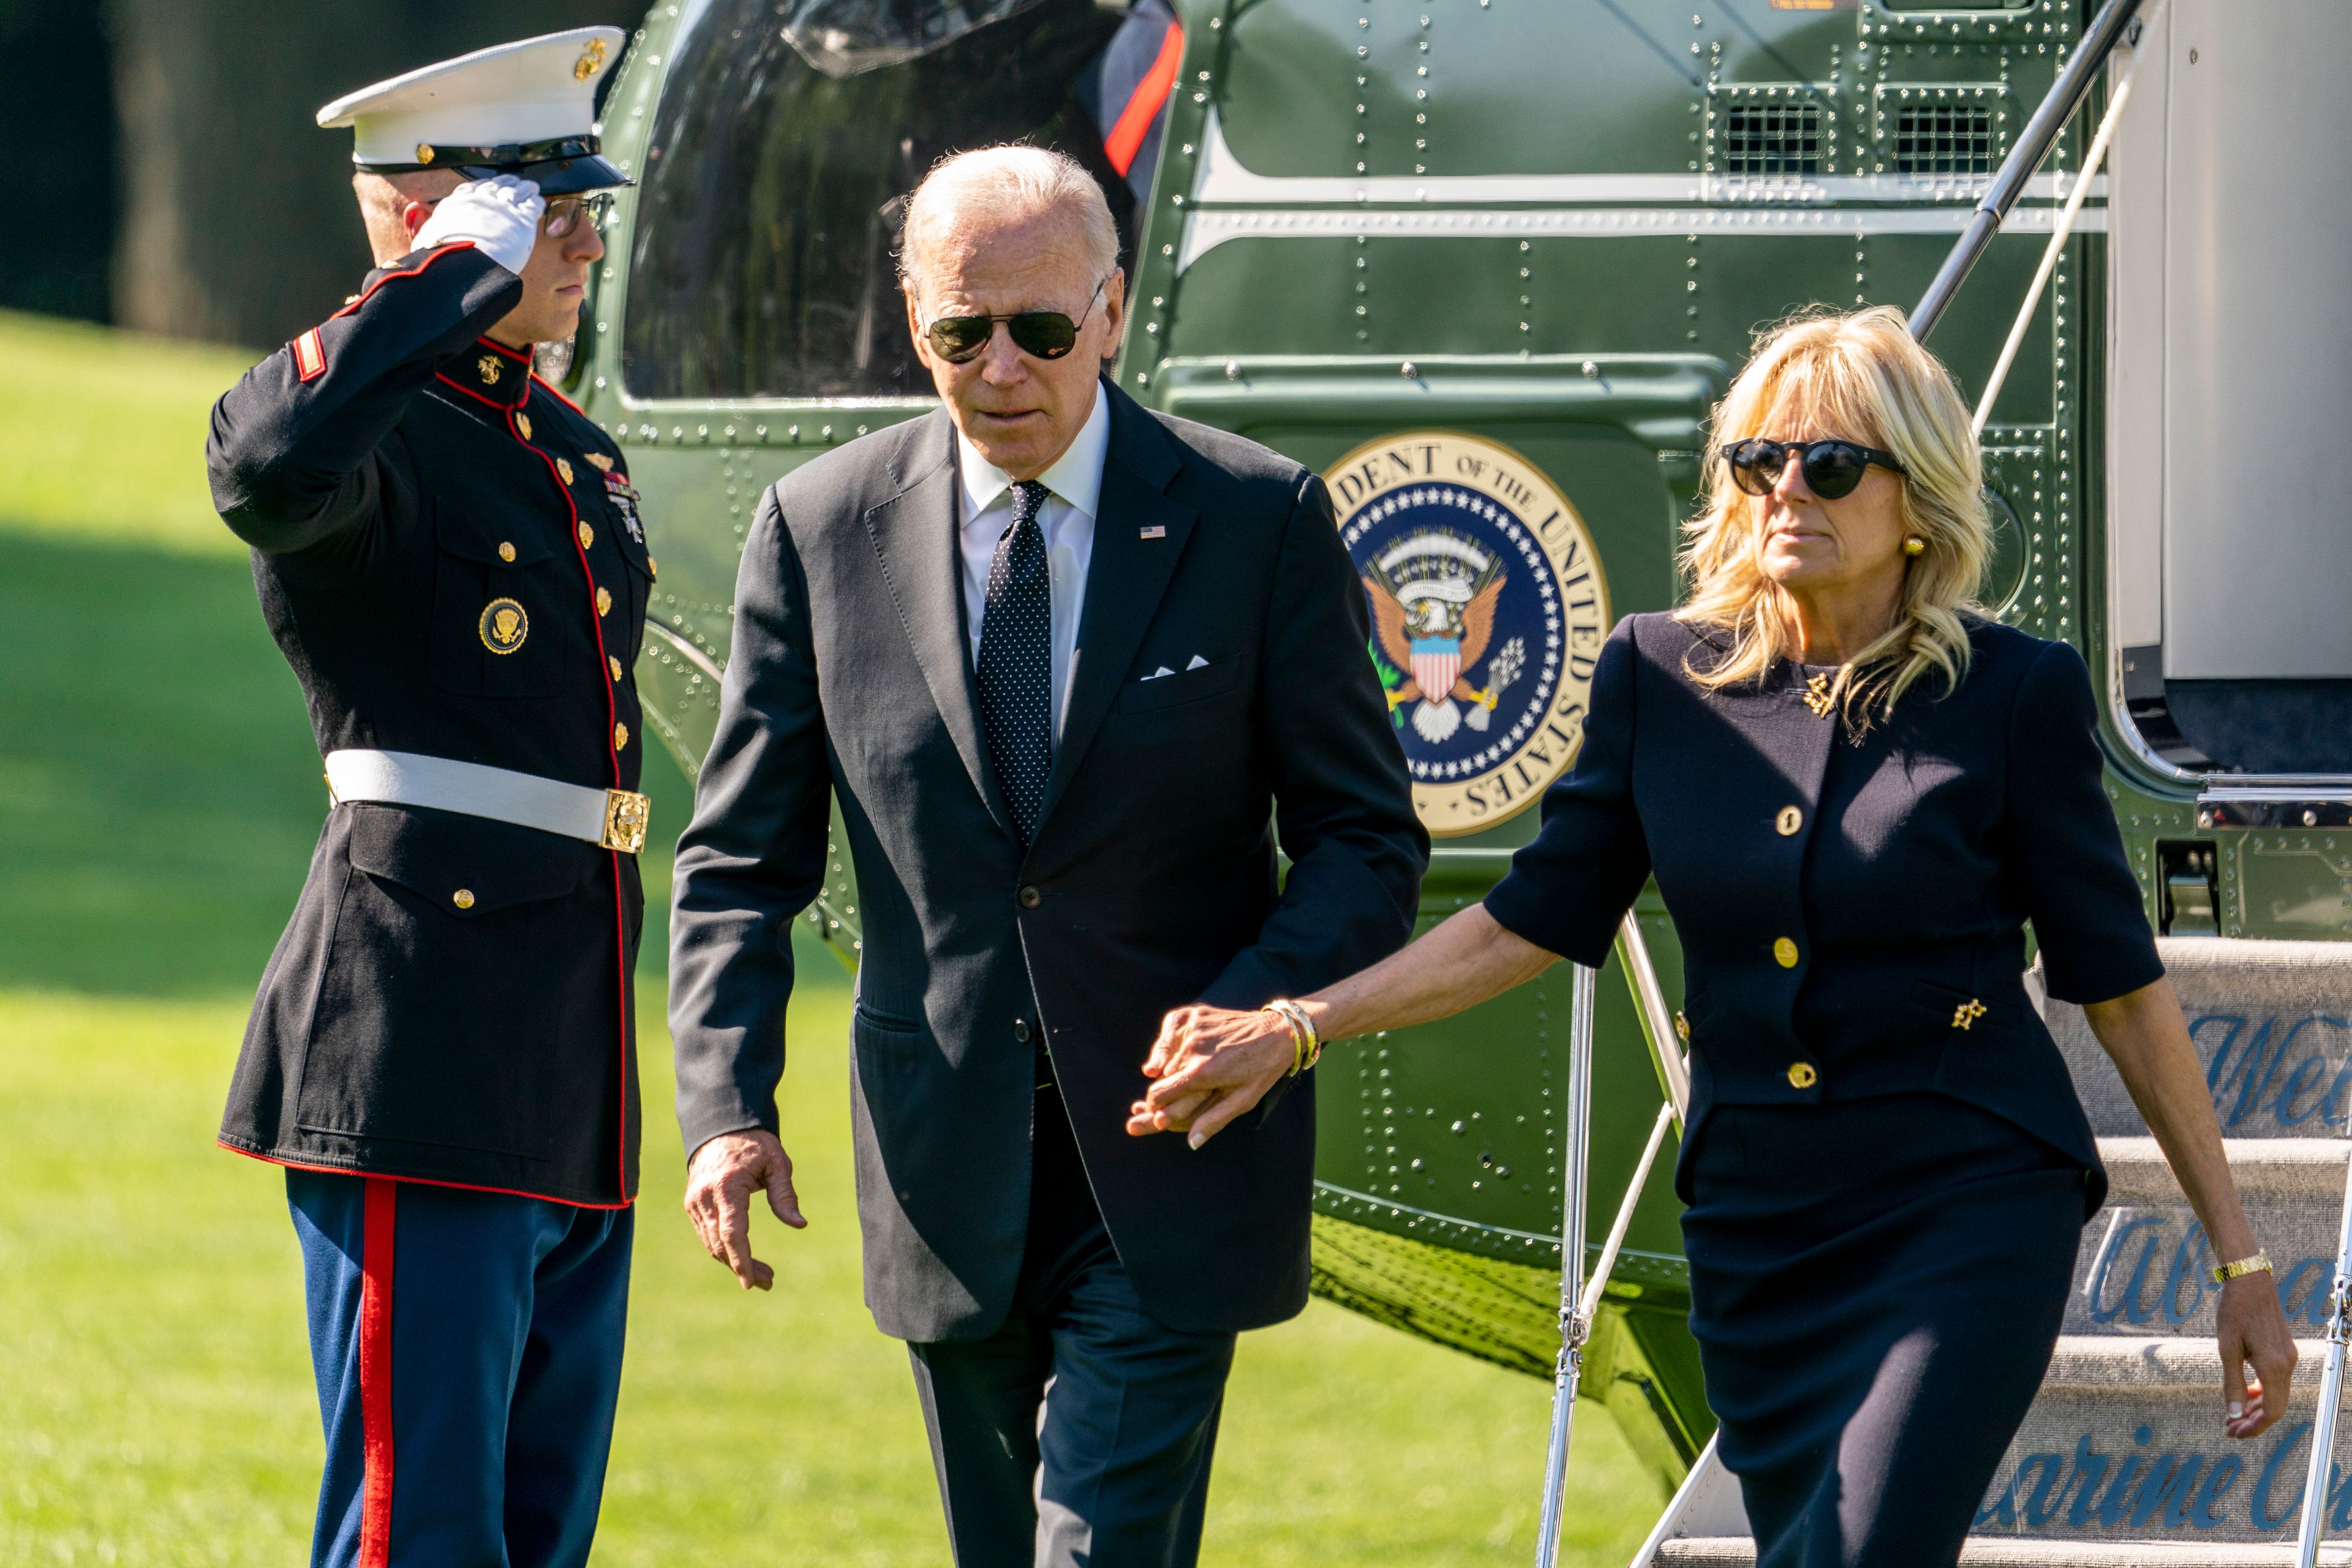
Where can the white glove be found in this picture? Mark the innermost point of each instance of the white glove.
(499, 214)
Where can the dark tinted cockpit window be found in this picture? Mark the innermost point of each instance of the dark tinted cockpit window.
(788, 134)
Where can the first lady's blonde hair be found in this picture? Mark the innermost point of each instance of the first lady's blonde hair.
(1859, 377)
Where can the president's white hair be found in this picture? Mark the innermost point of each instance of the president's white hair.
(1008, 182)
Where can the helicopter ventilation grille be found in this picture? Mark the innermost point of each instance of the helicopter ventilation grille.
(1771, 138)
(1944, 138)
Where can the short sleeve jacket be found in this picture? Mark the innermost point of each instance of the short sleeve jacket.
(1851, 909)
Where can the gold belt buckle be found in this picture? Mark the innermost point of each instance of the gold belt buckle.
(625, 815)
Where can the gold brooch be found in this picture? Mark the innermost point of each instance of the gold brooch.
(504, 626)
(1968, 1013)
(488, 366)
(1817, 695)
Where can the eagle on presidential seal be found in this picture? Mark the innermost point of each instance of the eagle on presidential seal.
(1433, 595)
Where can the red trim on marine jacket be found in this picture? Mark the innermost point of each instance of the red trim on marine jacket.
(376, 1239)
(368, 293)
(612, 717)
(309, 356)
(1134, 123)
(486, 401)
(559, 397)
(496, 347)
(286, 1164)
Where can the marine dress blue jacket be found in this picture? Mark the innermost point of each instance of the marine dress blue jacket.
(1852, 930)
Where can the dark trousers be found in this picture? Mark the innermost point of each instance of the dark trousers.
(1079, 1435)
(467, 1351)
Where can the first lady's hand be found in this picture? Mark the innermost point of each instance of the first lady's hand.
(2251, 1328)
(1211, 1065)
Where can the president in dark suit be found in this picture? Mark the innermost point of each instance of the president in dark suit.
(1076, 671)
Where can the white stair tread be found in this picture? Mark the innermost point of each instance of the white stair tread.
(1726, 1552)
(2141, 1152)
(2153, 1362)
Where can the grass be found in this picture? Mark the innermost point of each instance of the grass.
(161, 798)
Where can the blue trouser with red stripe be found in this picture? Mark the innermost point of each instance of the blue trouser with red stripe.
(467, 1349)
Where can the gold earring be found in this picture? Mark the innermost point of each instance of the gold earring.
(1915, 545)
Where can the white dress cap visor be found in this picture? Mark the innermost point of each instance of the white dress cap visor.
(535, 91)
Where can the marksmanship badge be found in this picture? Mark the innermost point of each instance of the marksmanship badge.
(1488, 610)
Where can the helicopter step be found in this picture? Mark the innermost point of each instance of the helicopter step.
(2121, 1458)
(1739, 1551)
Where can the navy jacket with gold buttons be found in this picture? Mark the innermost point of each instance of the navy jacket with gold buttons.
(450, 558)
(1852, 913)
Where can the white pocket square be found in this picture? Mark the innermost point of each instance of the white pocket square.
(1197, 663)
(1156, 674)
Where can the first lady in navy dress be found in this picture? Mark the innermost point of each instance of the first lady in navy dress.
(1855, 790)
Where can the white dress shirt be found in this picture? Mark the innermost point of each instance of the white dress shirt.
(1068, 518)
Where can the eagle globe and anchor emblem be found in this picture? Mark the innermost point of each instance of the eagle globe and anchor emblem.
(1488, 611)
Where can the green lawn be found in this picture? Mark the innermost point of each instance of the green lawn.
(160, 796)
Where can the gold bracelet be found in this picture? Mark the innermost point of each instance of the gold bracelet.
(2260, 1263)
(1305, 1042)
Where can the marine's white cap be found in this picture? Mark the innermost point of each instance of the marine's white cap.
(527, 108)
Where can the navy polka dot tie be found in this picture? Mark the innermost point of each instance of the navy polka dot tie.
(1016, 662)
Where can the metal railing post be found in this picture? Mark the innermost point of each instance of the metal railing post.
(2331, 1389)
(2032, 145)
(1570, 1369)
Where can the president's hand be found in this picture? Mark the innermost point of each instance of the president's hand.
(719, 1181)
(1211, 1065)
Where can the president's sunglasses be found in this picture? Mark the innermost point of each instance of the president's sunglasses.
(1045, 334)
(1832, 469)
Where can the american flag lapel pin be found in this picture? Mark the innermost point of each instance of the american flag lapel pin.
(1155, 531)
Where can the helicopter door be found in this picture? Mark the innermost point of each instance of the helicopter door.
(2230, 411)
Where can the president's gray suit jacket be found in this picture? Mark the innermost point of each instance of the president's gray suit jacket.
(1153, 882)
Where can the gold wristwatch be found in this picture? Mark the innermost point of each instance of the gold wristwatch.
(2260, 1263)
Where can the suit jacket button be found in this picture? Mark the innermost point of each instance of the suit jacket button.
(1802, 1076)
(1031, 898)
(1021, 1030)
(1788, 821)
(463, 898)
(1784, 952)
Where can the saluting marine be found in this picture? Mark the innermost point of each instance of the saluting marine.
(442, 1054)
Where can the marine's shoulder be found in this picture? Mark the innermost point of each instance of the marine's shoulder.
(549, 402)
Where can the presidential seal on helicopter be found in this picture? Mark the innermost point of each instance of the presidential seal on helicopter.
(1488, 608)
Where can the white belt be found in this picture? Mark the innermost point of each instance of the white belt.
(610, 819)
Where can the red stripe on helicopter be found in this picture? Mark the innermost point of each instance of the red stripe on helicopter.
(1136, 120)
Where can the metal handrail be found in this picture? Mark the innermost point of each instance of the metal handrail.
(2033, 144)
(2331, 1389)
(1657, 1021)
(1580, 1299)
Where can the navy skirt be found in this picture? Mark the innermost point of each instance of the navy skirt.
(1877, 1287)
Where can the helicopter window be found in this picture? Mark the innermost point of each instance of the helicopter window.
(1772, 139)
(1944, 138)
(787, 135)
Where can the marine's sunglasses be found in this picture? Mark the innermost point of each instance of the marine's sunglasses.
(563, 213)
(1832, 469)
(1046, 334)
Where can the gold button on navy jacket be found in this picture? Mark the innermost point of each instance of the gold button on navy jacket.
(1878, 947)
